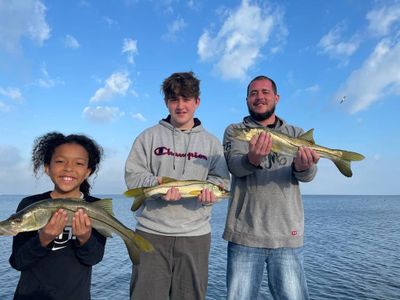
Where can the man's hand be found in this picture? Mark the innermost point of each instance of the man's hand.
(259, 147)
(305, 158)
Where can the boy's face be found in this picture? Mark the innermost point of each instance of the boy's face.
(182, 111)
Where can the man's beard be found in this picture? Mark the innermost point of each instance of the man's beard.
(261, 116)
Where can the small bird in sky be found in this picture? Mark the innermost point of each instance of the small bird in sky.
(343, 98)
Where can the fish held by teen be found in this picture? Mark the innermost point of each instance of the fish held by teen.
(287, 145)
(187, 189)
(38, 214)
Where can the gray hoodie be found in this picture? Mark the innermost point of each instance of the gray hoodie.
(265, 209)
(163, 150)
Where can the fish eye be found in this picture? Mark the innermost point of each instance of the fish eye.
(16, 220)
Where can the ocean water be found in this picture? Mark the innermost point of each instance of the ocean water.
(352, 250)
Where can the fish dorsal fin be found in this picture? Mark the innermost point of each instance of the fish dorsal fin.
(105, 204)
(166, 179)
(308, 136)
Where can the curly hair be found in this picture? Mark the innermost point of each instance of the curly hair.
(183, 84)
(45, 145)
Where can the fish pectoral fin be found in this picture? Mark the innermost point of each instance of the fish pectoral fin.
(308, 136)
(105, 204)
(194, 192)
(166, 179)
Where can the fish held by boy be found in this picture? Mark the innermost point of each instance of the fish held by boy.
(37, 215)
(287, 145)
(187, 189)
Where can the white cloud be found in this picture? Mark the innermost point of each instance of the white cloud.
(381, 20)
(334, 45)
(13, 93)
(173, 29)
(117, 84)
(4, 107)
(139, 117)
(71, 42)
(110, 21)
(308, 90)
(46, 81)
(378, 77)
(130, 48)
(20, 19)
(102, 114)
(238, 44)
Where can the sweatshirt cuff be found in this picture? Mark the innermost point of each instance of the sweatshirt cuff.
(37, 248)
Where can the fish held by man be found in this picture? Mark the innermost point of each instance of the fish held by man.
(37, 215)
(187, 189)
(287, 145)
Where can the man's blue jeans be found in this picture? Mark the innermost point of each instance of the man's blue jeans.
(286, 278)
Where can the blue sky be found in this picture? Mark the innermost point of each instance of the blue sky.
(96, 67)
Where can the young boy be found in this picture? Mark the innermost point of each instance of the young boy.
(179, 229)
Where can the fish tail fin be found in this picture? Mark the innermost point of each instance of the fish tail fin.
(351, 156)
(344, 167)
(138, 194)
(136, 244)
(138, 202)
(134, 192)
(343, 163)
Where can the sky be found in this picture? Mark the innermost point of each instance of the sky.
(96, 67)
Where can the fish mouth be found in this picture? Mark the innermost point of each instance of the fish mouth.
(7, 231)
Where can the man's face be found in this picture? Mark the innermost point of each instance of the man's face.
(261, 100)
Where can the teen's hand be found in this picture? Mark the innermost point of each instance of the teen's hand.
(172, 194)
(53, 228)
(206, 197)
(81, 226)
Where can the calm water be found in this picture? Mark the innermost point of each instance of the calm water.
(352, 250)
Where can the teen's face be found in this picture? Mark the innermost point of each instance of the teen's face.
(182, 111)
(68, 168)
(261, 99)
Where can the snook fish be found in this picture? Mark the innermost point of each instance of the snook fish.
(287, 145)
(187, 189)
(37, 215)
